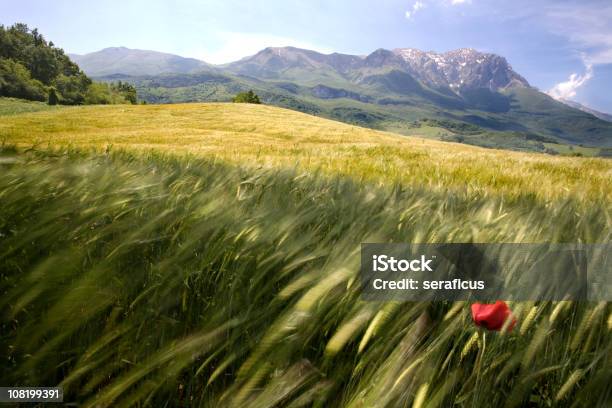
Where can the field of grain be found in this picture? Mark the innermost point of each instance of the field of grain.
(269, 136)
(208, 254)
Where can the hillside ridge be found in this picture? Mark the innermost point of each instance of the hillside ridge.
(387, 89)
(261, 135)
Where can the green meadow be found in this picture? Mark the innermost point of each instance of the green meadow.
(208, 255)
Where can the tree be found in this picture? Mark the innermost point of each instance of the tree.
(101, 93)
(128, 92)
(53, 99)
(15, 81)
(72, 88)
(30, 66)
(246, 97)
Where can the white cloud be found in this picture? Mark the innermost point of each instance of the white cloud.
(568, 89)
(418, 5)
(232, 46)
(588, 28)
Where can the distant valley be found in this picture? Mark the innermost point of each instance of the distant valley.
(463, 95)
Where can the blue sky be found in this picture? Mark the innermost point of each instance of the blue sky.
(563, 47)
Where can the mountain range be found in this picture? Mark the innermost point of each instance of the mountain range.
(453, 71)
(121, 60)
(596, 113)
(462, 95)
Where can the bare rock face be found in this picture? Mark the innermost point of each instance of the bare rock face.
(461, 69)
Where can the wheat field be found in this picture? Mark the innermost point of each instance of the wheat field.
(269, 136)
(207, 255)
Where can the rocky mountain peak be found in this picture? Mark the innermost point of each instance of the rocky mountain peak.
(461, 69)
(381, 58)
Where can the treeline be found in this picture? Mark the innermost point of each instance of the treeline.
(32, 68)
(453, 126)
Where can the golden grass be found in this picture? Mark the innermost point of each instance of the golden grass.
(270, 136)
(219, 286)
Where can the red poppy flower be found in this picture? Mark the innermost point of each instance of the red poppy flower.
(492, 317)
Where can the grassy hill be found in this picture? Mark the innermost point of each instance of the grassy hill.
(381, 91)
(518, 119)
(12, 106)
(208, 254)
(265, 135)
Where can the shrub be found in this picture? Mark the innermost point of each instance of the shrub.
(246, 97)
(53, 99)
